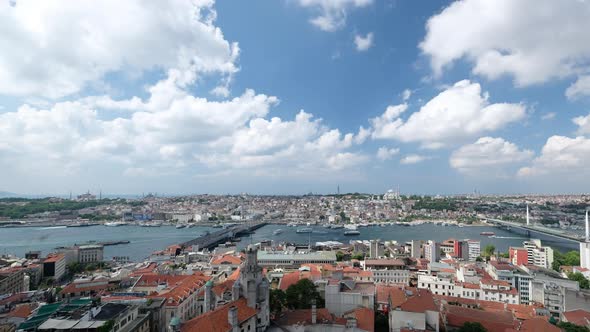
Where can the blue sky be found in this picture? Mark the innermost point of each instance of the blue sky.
(278, 96)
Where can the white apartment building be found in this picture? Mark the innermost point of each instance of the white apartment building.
(474, 249)
(537, 254)
(391, 276)
(432, 251)
(488, 290)
(343, 296)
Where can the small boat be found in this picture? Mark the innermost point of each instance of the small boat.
(277, 232)
(308, 224)
(487, 233)
(304, 230)
(190, 225)
(337, 226)
(217, 226)
(180, 226)
(352, 232)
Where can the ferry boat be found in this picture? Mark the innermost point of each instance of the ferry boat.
(337, 226)
(487, 233)
(352, 232)
(304, 230)
(277, 232)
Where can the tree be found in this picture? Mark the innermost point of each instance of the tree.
(571, 258)
(339, 256)
(489, 250)
(359, 256)
(478, 259)
(584, 283)
(301, 295)
(472, 327)
(278, 300)
(569, 327)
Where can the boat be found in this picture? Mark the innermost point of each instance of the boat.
(277, 232)
(292, 224)
(190, 225)
(304, 230)
(308, 224)
(487, 233)
(337, 226)
(217, 226)
(180, 226)
(115, 223)
(352, 232)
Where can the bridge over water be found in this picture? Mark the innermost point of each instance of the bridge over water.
(565, 239)
(213, 239)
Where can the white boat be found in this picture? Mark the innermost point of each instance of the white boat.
(351, 227)
(352, 232)
(180, 226)
(292, 224)
(304, 230)
(337, 226)
(277, 232)
(308, 224)
(115, 223)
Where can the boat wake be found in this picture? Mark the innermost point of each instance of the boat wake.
(52, 227)
(508, 237)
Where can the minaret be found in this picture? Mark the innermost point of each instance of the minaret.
(587, 228)
(528, 218)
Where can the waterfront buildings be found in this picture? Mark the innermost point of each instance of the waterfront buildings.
(432, 251)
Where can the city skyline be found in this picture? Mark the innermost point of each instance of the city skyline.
(291, 97)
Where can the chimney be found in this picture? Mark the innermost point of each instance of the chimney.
(587, 228)
(314, 312)
(232, 318)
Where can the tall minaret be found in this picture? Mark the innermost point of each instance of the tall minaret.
(528, 218)
(587, 228)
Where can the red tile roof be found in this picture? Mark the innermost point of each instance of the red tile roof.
(420, 303)
(52, 258)
(365, 319)
(217, 320)
(22, 311)
(77, 287)
(491, 320)
(182, 287)
(538, 324)
(226, 259)
(578, 317)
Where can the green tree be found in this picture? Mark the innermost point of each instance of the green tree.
(472, 327)
(478, 259)
(569, 327)
(278, 300)
(359, 256)
(106, 327)
(489, 250)
(339, 256)
(571, 258)
(301, 295)
(584, 283)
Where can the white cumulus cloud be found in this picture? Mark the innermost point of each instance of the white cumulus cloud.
(458, 113)
(488, 155)
(363, 43)
(56, 48)
(384, 153)
(331, 14)
(561, 156)
(531, 40)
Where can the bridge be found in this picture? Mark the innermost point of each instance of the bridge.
(211, 240)
(566, 239)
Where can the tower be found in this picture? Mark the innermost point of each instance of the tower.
(587, 228)
(528, 219)
(585, 246)
(254, 287)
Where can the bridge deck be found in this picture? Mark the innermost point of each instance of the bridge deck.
(212, 239)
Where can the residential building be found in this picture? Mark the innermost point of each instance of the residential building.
(389, 271)
(474, 248)
(432, 251)
(91, 253)
(295, 259)
(346, 295)
(54, 266)
(13, 280)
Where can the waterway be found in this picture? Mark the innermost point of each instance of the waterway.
(145, 240)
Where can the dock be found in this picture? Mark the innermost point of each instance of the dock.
(211, 240)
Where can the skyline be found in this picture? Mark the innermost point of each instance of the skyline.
(443, 97)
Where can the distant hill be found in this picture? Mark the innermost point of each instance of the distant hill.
(4, 194)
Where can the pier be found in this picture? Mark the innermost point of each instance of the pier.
(213, 239)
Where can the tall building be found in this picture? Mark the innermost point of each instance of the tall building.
(585, 247)
(432, 251)
(415, 251)
(375, 249)
(474, 249)
(537, 254)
